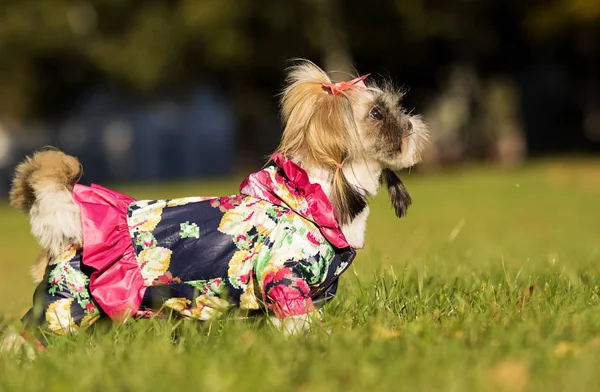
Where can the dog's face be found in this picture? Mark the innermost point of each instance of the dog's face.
(389, 134)
(331, 125)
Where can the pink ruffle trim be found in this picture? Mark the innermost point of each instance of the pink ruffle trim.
(116, 282)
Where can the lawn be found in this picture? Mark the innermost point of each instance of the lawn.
(490, 283)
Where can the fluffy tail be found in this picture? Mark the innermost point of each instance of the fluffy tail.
(43, 188)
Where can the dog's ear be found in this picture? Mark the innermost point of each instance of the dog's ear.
(399, 196)
(347, 202)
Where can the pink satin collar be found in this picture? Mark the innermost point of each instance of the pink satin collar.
(290, 186)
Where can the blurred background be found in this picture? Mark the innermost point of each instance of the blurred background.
(175, 89)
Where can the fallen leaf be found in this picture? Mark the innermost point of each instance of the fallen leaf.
(509, 374)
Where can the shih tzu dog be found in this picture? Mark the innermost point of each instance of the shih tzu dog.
(278, 246)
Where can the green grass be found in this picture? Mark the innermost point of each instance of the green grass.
(491, 283)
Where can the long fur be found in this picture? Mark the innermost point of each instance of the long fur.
(43, 187)
(38, 269)
(320, 131)
(399, 195)
(349, 142)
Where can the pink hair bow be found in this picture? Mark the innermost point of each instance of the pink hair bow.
(336, 88)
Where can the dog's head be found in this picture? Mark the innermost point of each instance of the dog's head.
(329, 125)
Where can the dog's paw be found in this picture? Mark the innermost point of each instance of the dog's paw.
(294, 325)
(11, 343)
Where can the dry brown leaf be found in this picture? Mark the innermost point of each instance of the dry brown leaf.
(510, 375)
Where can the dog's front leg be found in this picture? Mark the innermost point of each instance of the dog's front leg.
(288, 296)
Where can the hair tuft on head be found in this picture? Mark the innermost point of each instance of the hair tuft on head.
(320, 130)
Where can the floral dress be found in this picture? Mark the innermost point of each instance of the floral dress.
(275, 246)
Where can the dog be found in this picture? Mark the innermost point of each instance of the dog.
(278, 246)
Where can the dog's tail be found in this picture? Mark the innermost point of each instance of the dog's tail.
(43, 188)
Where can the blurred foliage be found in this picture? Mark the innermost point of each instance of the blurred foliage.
(548, 20)
(137, 43)
(50, 50)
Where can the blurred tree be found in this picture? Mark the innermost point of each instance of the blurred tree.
(326, 31)
(53, 50)
(547, 20)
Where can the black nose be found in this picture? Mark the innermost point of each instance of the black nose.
(407, 126)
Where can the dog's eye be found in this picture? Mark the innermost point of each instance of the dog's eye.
(375, 113)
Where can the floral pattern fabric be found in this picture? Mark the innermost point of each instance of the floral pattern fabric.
(275, 245)
(62, 301)
(248, 251)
